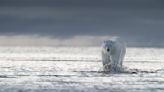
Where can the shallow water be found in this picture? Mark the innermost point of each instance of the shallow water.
(74, 69)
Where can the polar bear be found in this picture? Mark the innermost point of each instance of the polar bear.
(113, 52)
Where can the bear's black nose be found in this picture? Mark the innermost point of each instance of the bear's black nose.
(108, 49)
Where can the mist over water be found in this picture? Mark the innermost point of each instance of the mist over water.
(36, 40)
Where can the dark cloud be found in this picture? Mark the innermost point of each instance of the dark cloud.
(85, 3)
(138, 21)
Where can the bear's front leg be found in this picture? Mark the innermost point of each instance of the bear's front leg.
(107, 67)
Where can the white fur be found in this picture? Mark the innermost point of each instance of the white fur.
(113, 58)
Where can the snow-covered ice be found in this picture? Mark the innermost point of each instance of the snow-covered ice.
(78, 69)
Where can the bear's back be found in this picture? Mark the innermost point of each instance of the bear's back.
(118, 42)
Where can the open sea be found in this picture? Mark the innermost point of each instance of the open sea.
(78, 69)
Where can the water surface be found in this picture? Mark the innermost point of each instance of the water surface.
(74, 69)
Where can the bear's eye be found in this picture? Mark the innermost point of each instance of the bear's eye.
(108, 49)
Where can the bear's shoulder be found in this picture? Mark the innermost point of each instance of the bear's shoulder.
(117, 40)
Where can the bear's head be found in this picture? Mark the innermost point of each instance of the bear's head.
(108, 46)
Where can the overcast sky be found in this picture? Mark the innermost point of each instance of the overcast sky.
(139, 22)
